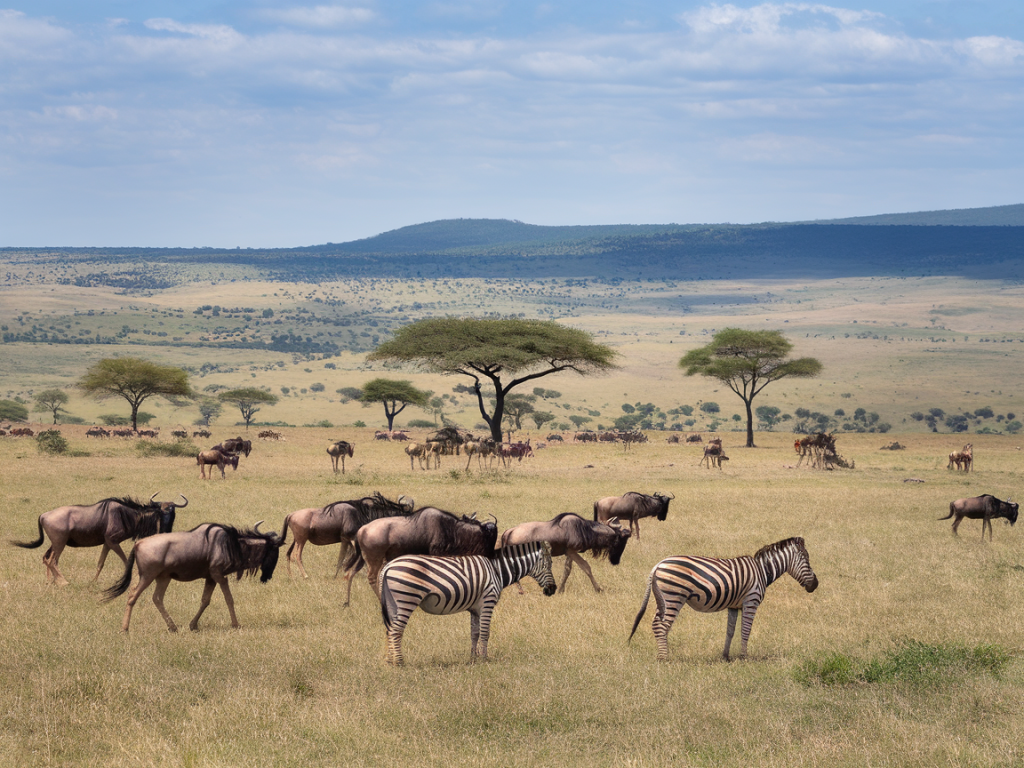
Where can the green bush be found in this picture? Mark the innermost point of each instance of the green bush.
(52, 441)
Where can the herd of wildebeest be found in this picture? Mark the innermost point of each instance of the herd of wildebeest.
(433, 559)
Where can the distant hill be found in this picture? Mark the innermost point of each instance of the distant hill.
(996, 216)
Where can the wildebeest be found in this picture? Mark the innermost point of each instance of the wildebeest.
(427, 531)
(339, 450)
(215, 458)
(569, 535)
(632, 506)
(106, 523)
(235, 445)
(714, 454)
(423, 451)
(209, 551)
(963, 459)
(985, 508)
(97, 432)
(337, 523)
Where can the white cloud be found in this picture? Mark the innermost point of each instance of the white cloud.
(215, 32)
(320, 16)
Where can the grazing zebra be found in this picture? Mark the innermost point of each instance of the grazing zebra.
(710, 584)
(444, 585)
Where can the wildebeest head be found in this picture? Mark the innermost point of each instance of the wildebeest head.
(167, 511)
(271, 546)
(663, 500)
(621, 539)
(1009, 510)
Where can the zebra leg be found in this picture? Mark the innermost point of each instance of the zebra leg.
(730, 630)
(474, 632)
(749, 609)
(663, 619)
(484, 623)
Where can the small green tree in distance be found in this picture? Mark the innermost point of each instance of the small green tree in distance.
(51, 401)
(248, 400)
(395, 395)
(747, 362)
(136, 381)
(505, 352)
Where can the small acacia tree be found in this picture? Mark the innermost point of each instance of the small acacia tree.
(248, 400)
(394, 395)
(504, 352)
(51, 401)
(136, 381)
(747, 362)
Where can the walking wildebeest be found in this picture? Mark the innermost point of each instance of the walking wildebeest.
(985, 508)
(427, 531)
(632, 506)
(209, 551)
(337, 523)
(339, 450)
(215, 458)
(235, 445)
(569, 535)
(107, 523)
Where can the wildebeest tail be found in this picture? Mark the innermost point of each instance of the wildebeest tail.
(643, 607)
(31, 544)
(284, 534)
(354, 558)
(951, 512)
(118, 589)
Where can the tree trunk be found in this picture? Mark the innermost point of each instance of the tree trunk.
(750, 424)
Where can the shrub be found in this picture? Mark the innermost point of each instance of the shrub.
(51, 441)
(1013, 427)
(317, 387)
(421, 424)
(359, 423)
(12, 411)
(710, 407)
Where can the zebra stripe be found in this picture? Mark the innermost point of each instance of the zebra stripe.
(446, 585)
(709, 584)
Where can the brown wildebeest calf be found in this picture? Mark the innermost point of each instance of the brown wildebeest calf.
(632, 506)
(214, 458)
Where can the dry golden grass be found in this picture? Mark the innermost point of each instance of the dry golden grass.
(303, 681)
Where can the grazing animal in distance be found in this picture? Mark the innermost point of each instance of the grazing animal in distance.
(427, 531)
(214, 458)
(985, 508)
(710, 584)
(570, 535)
(235, 445)
(339, 450)
(632, 506)
(416, 451)
(210, 551)
(446, 585)
(106, 523)
(963, 459)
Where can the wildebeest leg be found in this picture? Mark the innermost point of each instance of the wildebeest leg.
(132, 598)
(585, 566)
(730, 630)
(204, 602)
(566, 572)
(115, 547)
(956, 524)
(986, 521)
(299, 545)
(53, 553)
(158, 601)
(351, 572)
(346, 545)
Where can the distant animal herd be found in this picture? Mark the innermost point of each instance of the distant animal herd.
(441, 562)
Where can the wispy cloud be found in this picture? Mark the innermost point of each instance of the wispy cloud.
(319, 16)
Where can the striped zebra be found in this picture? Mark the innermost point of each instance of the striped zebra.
(444, 585)
(710, 584)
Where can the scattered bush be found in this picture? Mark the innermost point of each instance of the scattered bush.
(317, 387)
(422, 424)
(52, 442)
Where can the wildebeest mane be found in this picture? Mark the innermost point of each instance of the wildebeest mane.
(649, 505)
(258, 552)
(455, 536)
(138, 520)
(370, 508)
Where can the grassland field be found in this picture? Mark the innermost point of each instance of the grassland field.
(303, 681)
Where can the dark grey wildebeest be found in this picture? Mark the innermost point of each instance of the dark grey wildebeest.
(570, 535)
(337, 523)
(106, 523)
(427, 531)
(632, 506)
(985, 508)
(209, 551)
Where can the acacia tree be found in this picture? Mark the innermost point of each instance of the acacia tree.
(51, 401)
(747, 362)
(248, 401)
(136, 381)
(493, 350)
(395, 395)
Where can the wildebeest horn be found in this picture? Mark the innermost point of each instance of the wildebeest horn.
(493, 518)
(153, 497)
(182, 506)
(257, 526)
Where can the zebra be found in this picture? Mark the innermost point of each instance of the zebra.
(710, 584)
(445, 585)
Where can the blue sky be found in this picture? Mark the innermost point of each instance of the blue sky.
(258, 123)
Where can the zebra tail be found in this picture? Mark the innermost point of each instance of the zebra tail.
(643, 608)
(32, 544)
(118, 589)
(388, 606)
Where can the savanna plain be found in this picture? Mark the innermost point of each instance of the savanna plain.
(908, 653)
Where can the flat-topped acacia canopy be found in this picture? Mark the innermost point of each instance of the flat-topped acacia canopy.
(490, 348)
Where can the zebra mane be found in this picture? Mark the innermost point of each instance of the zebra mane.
(779, 547)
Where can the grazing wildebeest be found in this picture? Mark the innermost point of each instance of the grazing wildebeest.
(714, 454)
(235, 445)
(427, 531)
(97, 432)
(337, 523)
(446, 585)
(209, 551)
(985, 508)
(214, 458)
(339, 450)
(632, 506)
(107, 523)
(710, 584)
(569, 535)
